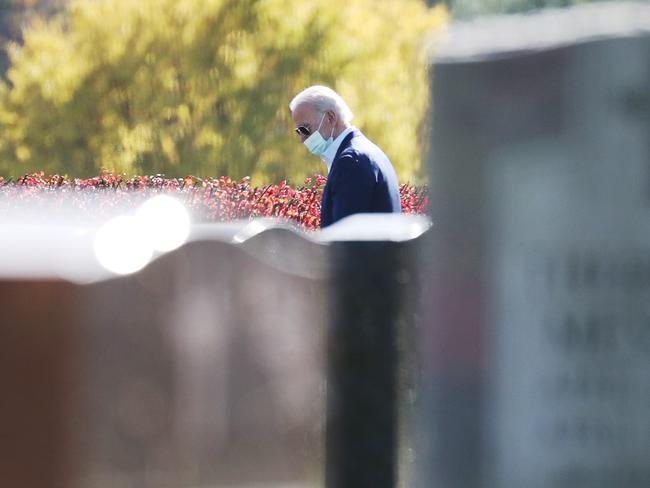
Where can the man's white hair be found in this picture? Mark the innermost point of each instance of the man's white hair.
(323, 99)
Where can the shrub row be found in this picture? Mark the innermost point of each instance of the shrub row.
(209, 199)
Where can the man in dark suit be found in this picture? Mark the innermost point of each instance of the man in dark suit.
(361, 178)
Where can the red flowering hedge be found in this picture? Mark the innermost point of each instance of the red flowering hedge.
(210, 199)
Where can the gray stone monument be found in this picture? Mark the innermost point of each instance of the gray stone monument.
(205, 368)
(538, 327)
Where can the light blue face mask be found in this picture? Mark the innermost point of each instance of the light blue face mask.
(315, 142)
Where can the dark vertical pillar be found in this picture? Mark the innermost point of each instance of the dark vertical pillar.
(365, 355)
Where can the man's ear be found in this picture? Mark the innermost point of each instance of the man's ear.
(331, 116)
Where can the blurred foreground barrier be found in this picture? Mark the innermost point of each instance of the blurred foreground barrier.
(372, 354)
(207, 367)
(538, 331)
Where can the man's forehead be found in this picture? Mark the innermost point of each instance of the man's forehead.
(304, 111)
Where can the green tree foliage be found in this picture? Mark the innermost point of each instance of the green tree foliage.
(202, 86)
(15, 14)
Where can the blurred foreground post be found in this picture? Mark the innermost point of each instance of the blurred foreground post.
(371, 352)
(538, 328)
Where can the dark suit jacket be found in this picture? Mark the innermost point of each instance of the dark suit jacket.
(361, 180)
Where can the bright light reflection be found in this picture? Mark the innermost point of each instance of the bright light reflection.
(126, 244)
(121, 245)
(165, 221)
(254, 228)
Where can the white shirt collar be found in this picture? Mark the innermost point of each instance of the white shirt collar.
(329, 155)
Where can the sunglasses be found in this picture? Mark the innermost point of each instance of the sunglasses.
(304, 130)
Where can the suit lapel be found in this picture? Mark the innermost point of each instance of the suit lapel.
(325, 201)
